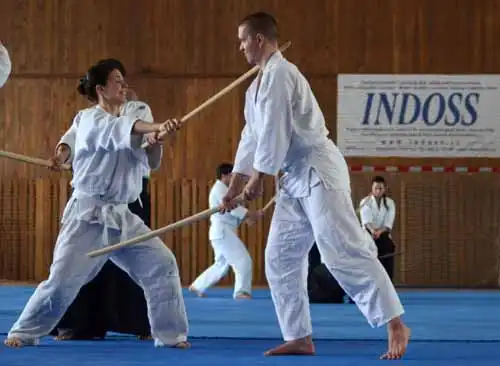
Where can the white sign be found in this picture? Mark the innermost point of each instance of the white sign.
(419, 115)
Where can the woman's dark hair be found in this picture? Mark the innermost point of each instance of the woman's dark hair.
(381, 180)
(98, 75)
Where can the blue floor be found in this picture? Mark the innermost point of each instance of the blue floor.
(448, 328)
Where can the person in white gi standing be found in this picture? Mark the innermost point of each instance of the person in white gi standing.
(5, 65)
(285, 130)
(229, 250)
(108, 166)
(111, 301)
(377, 213)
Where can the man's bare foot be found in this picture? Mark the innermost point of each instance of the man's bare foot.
(13, 342)
(144, 337)
(244, 296)
(399, 336)
(298, 347)
(182, 345)
(198, 293)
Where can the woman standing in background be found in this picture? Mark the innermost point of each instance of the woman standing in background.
(377, 213)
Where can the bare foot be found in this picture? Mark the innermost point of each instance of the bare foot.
(144, 337)
(182, 345)
(13, 342)
(243, 295)
(198, 293)
(63, 338)
(299, 347)
(399, 336)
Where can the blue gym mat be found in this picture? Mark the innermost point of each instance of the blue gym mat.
(448, 327)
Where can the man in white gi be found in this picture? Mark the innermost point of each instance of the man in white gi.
(229, 250)
(285, 130)
(108, 166)
(5, 65)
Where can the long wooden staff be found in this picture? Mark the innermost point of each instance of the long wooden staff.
(176, 225)
(30, 160)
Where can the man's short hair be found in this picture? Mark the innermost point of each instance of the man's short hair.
(262, 23)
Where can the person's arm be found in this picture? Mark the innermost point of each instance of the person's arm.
(65, 147)
(277, 124)
(243, 161)
(155, 149)
(115, 133)
(5, 65)
(277, 127)
(389, 217)
(366, 216)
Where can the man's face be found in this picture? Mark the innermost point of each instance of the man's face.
(249, 45)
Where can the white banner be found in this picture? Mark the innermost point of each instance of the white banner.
(419, 115)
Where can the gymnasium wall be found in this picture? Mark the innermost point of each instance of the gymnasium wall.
(178, 53)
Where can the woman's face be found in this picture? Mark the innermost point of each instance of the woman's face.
(378, 189)
(115, 91)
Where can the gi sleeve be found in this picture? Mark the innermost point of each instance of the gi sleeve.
(155, 152)
(69, 138)
(390, 215)
(245, 152)
(365, 212)
(5, 65)
(108, 132)
(277, 124)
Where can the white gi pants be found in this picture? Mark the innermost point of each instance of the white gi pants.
(150, 264)
(229, 251)
(327, 217)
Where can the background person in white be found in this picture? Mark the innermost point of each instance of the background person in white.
(5, 65)
(377, 212)
(229, 250)
(285, 130)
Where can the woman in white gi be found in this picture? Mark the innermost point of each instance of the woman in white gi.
(108, 166)
(229, 250)
(5, 65)
(111, 301)
(377, 212)
(285, 130)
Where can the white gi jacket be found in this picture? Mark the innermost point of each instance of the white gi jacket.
(285, 130)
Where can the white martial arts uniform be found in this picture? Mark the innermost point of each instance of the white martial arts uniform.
(132, 108)
(5, 65)
(108, 165)
(285, 130)
(379, 216)
(229, 250)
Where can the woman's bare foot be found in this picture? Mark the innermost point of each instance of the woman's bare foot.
(13, 342)
(182, 345)
(198, 293)
(244, 296)
(303, 346)
(399, 336)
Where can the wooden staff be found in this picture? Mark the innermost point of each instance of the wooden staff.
(269, 204)
(31, 160)
(176, 225)
(221, 93)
